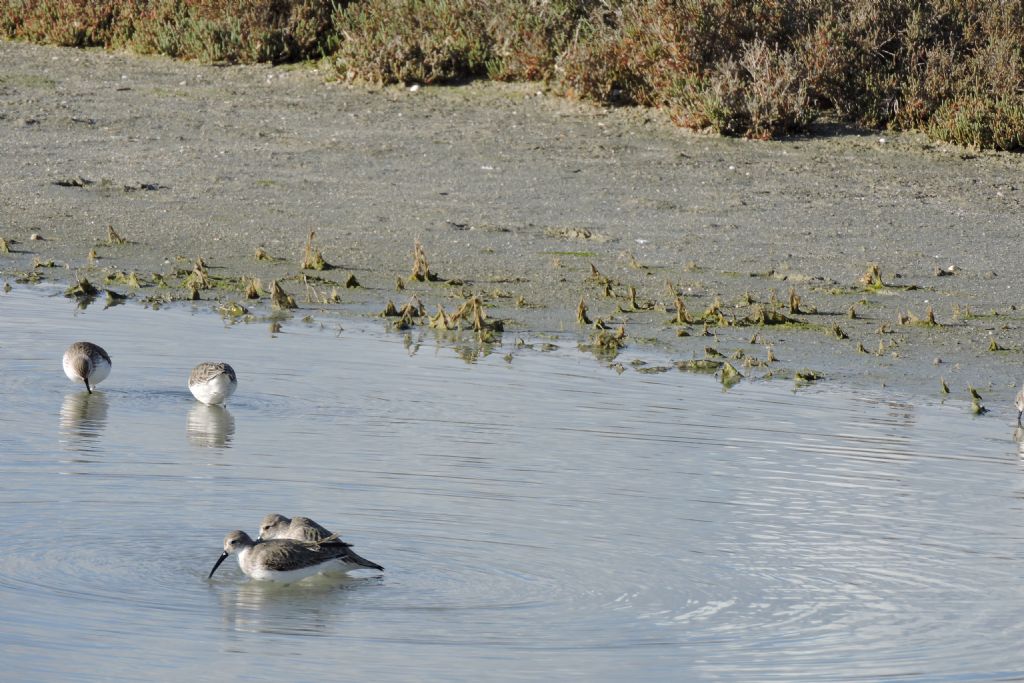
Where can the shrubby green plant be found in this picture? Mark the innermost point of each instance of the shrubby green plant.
(756, 68)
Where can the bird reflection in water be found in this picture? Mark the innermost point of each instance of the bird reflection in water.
(308, 607)
(210, 426)
(83, 416)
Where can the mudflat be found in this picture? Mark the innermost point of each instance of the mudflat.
(530, 202)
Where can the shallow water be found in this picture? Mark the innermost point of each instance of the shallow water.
(539, 517)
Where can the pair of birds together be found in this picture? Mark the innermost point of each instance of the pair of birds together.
(210, 383)
(289, 550)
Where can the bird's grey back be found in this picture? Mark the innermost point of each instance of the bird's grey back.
(305, 529)
(204, 372)
(286, 555)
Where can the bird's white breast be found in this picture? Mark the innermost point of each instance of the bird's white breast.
(214, 391)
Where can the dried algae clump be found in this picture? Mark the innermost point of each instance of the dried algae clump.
(121, 278)
(312, 259)
(606, 343)
(993, 345)
(199, 278)
(351, 282)
(604, 281)
(767, 316)
(927, 321)
(441, 320)
(653, 370)
(838, 332)
(633, 262)
(714, 311)
(682, 317)
(114, 298)
(232, 309)
(634, 304)
(404, 322)
(473, 309)
(5, 246)
(420, 267)
(262, 255)
(113, 238)
(977, 407)
(81, 289)
(390, 310)
(730, 375)
(806, 375)
(252, 288)
(872, 278)
(279, 298)
(581, 313)
(699, 365)
(943, 387)
(794, 301)
(414, 308)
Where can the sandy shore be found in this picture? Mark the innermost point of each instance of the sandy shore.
(516, 196)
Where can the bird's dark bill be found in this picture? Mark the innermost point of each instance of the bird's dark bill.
(220, 559)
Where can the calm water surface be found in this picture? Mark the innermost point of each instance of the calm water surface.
(540, 518)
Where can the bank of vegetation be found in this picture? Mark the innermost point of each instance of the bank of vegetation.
(757, 68)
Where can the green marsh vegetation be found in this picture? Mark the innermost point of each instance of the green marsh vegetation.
(754, 68)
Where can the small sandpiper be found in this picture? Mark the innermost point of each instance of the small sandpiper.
(1019, 403)
(212, 383)
(281, 560)
(86, 362)
(304, 529)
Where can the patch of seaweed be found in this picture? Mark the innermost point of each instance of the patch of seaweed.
(81, 289)
(312, 258)
(114, 239)
(279, 298)
(199, 278)
(420, 267)
(581, 313)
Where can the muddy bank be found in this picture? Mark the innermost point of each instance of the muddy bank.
(517, 197)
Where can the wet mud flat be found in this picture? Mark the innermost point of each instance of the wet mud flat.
(510, 213)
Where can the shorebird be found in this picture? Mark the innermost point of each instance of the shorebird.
(86, 362)
(212, 383)
(282, 560)
(1019, 402)
(304, 529)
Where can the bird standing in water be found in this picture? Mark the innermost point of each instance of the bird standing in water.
(86, 362)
